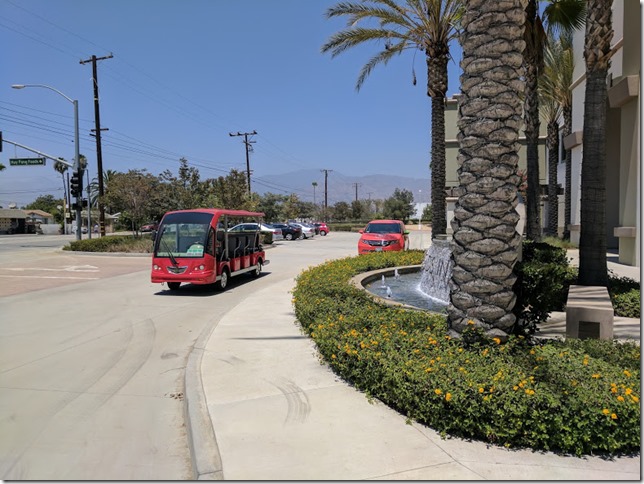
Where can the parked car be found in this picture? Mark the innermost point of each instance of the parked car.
(290, 232)
(316, 230)
(252, 227)
(150, 227)
(306, 231)
(383, 235)
(322, 227)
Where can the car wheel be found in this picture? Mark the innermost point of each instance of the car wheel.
(322, 233)
(173, 286)
(288, 236)
(222, 283)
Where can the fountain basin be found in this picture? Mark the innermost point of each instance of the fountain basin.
(405, 291)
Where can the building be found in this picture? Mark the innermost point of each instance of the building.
(623, 201)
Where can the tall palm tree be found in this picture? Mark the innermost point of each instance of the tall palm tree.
(426, 25)
(62, 168)
(593, 269)
(554, 94)
(486, 242)
(565, 15)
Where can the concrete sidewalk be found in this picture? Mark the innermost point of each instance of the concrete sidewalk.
(278, 413)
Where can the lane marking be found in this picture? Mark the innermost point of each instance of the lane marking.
(66, 269)
(50, 277)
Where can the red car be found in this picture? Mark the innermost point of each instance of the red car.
(381, 235)
(322, 228)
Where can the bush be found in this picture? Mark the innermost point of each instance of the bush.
(345, 227)
(113, 243)
(543, 279)
(577, 397)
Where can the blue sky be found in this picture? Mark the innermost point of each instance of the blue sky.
(186, 73)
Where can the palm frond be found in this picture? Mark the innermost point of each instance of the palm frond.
(565, 15)
(381, 58)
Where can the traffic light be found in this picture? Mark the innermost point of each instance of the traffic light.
(76, 185)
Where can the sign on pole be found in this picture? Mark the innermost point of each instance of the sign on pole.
(26, 161)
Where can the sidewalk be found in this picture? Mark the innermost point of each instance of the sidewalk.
(278, 413)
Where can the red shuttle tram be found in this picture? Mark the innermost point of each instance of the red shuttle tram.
(194, 246)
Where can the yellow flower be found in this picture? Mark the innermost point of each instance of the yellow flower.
(635, 399)
(532, 352)
(481, 390)
(605, 411)
(596, 375)
(628, 391)
(438, 391)
(529, 391)
(627, 373)
(515, 388)
(448, 396)
(620, 398)
(333, 357)
(470, 322)
(497, 340)
(613, 390)
(613, 416)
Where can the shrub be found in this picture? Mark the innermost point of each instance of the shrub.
(577, 397)
(112, 243)
(627, 304)
(543, 279)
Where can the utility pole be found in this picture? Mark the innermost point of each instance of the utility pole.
(356, 185)
(248, 149)
(314, 184)
(326, 186)
(99, 152)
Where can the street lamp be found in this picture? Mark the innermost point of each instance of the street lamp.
(77, 167)
(420, 212)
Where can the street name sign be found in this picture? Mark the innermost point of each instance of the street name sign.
(26, 161)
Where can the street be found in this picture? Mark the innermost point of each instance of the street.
(93, 357)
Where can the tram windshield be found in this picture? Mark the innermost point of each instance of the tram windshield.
(183, 235)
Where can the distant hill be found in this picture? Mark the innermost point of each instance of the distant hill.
(341, 187)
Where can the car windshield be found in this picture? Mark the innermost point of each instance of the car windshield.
(183, 235)
(383, 228)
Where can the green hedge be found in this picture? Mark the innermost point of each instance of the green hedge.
(577, 396)
(113, 243)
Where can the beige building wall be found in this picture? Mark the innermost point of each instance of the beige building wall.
(623, 134)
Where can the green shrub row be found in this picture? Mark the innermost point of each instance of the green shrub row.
(346, 227)
(578, 396)
(113, 243)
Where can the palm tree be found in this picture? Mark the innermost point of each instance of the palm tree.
(565, 15)
(593, 270)
(62, 168)
(486, 242)
(426, 25)
(554, 94)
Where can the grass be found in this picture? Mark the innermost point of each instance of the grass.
(573, 397)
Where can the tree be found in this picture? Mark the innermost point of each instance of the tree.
(341, 211)
(427, 213)
(553, 84)
(485, 242)
(400, 206)
(231, 191)
(593, 269)
(186, 190)
(564, 15)
(136, 195)
(62, 168)
(426, 25)
(358, 209)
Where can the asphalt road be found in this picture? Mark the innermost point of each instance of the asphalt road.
(93, 357)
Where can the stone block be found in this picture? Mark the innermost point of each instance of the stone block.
(589, 313)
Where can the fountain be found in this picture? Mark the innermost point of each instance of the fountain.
(437, 269)
(423, 287)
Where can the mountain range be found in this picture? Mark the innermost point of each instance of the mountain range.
(340, 187)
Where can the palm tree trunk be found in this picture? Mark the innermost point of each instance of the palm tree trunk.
(485, 245)
(531, 116)
(593, 269)
(437, 58)
(567, 129)
(439, 208)
(553, 160)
